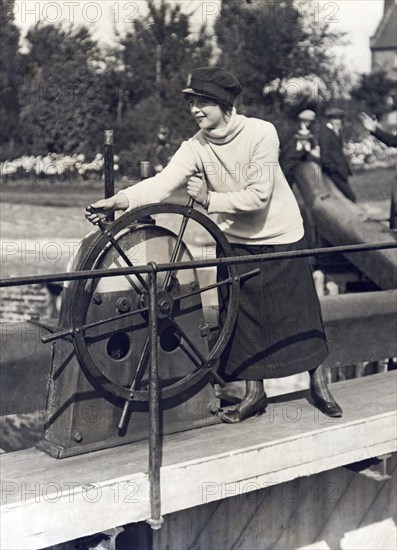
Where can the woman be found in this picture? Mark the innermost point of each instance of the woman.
(279, 329)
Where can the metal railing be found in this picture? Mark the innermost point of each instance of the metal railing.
(152, 269)
(194, 264)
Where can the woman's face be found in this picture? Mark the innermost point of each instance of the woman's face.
(207, 113)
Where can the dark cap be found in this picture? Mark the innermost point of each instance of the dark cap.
(335, 112)
(213, 82)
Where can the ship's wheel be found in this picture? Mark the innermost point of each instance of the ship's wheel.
(109, 315)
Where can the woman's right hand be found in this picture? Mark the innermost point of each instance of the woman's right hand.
(101, 209)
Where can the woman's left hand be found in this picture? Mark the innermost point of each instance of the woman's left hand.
(197, 188)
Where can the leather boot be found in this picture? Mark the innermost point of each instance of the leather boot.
(254, 402)
(321, 395)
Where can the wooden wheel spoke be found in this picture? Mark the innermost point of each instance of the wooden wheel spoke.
(205, 288)
(124, 256)
(93, 335)
(175, 252)
(135, 379)
(187, 339)
(129, 278)
(218, 284)
(193, 359)
(69, 332)
(204, 362)
(117, 318)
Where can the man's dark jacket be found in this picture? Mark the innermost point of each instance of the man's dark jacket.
(334, 162)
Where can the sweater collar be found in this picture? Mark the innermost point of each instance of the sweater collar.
(228, 132)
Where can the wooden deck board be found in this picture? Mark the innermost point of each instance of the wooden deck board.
(47, 498)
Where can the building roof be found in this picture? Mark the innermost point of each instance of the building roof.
(385, 37)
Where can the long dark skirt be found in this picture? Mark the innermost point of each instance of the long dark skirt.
(279, 330)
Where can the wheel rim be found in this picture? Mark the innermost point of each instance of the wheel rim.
(80, 305)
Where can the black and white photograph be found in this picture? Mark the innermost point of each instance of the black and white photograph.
(198, 286)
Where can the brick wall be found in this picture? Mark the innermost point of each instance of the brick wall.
(18, 303)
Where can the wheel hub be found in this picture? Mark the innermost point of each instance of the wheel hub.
(165, 304)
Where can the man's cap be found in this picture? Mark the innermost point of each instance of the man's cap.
(307, 114)
(213, 82)
(335, 112)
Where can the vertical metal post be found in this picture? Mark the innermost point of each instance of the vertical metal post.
(155, 520)
(393, 208)
(108, 167)
(144, 167)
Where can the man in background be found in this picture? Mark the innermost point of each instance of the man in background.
(333, 160)
(301, 146)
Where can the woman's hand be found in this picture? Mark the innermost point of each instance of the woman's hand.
(101, 209)
(197, 189)
(369, 123)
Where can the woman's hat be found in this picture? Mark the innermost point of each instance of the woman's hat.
(213, 82)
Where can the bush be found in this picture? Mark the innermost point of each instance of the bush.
(54, 167)
(370, 153)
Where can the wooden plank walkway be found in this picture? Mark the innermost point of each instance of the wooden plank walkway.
(47, 501)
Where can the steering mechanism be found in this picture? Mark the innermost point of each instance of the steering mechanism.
(106, 320)
(126, 242)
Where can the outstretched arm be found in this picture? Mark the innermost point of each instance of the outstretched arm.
(368, 122)
(151, 190)
(371, 124)
(102, 208)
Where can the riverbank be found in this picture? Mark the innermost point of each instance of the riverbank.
(42, 223)
(368, 185)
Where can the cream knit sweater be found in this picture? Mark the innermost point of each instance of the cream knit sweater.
(249, 197)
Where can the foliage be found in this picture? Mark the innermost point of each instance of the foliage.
(375, 93)
(268, 44)
(369, 153)
(62, 104)
(10, 77)
(59, 96)
(70, 168)
(156, 56)
(70, 91)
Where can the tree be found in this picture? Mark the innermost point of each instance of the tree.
(268, 44)
(375, 93)
(156, 54)
(10, 78)
(62, 101)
